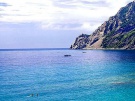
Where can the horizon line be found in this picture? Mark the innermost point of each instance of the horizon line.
(23, 49)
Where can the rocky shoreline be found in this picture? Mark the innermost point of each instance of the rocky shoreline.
(118, 33)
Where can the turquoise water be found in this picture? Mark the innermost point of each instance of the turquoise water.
(97, 75)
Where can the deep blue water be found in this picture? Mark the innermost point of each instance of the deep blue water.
(97, 75)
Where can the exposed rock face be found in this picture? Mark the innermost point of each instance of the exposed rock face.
(81, 42)
(116, 33)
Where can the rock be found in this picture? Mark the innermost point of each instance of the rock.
(116, 33)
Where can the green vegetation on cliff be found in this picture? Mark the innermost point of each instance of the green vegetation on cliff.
(117, 33)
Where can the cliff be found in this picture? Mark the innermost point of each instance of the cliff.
(116, 33)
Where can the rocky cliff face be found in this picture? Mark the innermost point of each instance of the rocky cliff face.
(116, 33)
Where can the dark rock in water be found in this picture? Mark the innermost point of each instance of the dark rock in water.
(116, 33)
(67, 55)
(83, 52)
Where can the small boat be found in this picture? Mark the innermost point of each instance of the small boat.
(67, 55)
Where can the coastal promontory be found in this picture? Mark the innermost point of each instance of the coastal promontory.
(116, 33)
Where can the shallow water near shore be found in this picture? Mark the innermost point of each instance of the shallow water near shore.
(86, 75)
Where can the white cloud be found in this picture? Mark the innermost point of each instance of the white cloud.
(61, 14)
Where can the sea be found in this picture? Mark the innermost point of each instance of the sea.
(83, 75)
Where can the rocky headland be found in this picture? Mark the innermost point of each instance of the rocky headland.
(116, 33)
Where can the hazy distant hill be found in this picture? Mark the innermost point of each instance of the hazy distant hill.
(116, 33)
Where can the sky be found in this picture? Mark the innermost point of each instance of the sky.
(51, 23)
